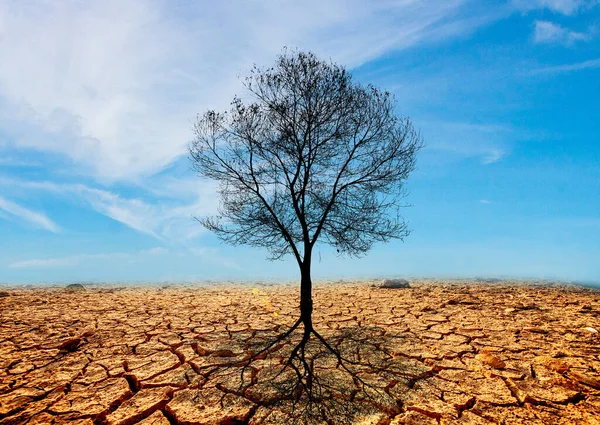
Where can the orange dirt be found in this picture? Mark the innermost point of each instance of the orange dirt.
(475, 354)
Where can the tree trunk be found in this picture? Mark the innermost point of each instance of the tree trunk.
(306, 304)
(306, 308)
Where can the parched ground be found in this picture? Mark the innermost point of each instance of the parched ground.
(472, 354)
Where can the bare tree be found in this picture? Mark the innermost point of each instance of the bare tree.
(313, 156)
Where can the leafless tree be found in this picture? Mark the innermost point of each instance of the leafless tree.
(311, 156)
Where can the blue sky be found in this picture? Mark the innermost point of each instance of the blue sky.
(97, 101)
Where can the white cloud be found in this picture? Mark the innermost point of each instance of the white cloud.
(560, 69)
(484, 201)
(78, 259)
(466, 140)
(565, 7)
(208, 255)
(45, 263)
(548, 32)
(113, 84)
(165, 220)
(159, 250)
(493, 156)
(134, 213)
(169, 220)
(32, 217)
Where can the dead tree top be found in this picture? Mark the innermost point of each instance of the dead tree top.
(311, 155)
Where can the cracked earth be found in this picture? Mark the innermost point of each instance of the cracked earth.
(469, 354)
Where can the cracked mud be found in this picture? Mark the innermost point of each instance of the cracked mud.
(457, 353)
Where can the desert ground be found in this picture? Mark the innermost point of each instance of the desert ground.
(462, 353)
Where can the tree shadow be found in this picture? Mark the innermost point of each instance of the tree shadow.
(337, 377)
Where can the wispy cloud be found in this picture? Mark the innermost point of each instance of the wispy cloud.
(210, 255)
(32, 217)
(168, 220)
(493, 156)
(45, 263)
(560, 69)
(159, 250)
(565, 7)
(74, 260)
(467, 140)
(112, 84)
(484, 201)
(550, 33)
(134, 213)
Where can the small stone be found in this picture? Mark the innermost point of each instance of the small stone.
(394, 284)
(585, 379)
(222, 353)
(590, 329)
(491, 360)
(535, 330)
(70, 344)
(526, 306)
(75, 287)
(487, 279)
(4, 294)
(552, 364)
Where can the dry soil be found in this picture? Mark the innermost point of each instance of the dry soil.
(472, 353)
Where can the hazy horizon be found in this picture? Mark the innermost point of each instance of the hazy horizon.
(249, 280)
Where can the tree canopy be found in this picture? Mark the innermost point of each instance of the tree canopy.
(309, 155)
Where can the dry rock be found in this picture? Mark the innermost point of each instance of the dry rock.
(491, 360)
(553, 364)
(585, 379)
(394, 283)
